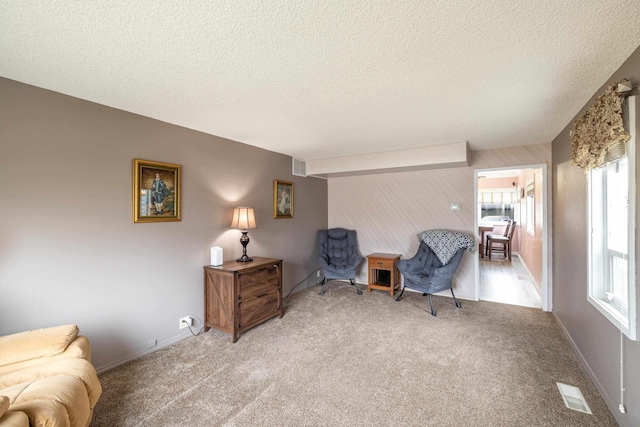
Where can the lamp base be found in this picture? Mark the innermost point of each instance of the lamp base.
(244, 241)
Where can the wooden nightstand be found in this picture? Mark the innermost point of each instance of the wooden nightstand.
(241, 295)
(383, 272)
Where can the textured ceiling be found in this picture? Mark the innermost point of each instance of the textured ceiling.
(332, 78)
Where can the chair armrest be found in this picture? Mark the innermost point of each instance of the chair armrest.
(355, 260)
(324, 262)
(409, 265)
(36, 343)
(451, 267)
(403, 265)
(445, 269)
(414, 276)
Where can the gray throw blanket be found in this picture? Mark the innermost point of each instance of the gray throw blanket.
(445, 243)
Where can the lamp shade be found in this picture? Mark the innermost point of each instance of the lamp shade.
(243, 218)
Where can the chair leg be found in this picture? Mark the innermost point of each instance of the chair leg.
(400, 296)
(359, 292)
(324, 286)
(433, 311)
(455, 299)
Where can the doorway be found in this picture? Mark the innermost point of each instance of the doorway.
(512, 203)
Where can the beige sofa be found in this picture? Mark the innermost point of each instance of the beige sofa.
(47, 379)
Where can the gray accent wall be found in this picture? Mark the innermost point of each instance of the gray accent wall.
(595, 339)
(69, 250)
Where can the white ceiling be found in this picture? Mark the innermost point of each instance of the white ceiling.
(331, 78)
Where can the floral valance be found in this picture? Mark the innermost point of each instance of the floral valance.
(599, 131)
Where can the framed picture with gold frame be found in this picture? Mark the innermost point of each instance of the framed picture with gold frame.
(156, 191)
(282, 199)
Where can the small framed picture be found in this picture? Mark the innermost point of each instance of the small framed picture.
(282, 199)
(156, 191)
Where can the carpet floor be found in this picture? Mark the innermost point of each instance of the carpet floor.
(348, 360)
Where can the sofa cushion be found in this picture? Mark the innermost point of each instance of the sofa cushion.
(36, 343)
(59, 401)
(4, 404)
(14, 419)
(76, 367)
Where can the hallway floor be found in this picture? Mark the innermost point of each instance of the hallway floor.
(508, 283)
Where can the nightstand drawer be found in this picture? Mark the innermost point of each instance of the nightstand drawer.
(258, 281)
(381, 263)
(258, 308)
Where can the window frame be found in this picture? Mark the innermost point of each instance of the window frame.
(623, 317)
(530, 205)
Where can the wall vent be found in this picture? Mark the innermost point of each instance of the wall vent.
(573, 398)
(298, 167)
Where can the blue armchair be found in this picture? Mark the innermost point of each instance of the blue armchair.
(338, 256)
(426, 272)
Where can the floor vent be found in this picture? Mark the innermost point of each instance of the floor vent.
(299, 167)
(573, 398)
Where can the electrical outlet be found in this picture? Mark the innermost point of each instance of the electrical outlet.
(186, 321)
(318, 273)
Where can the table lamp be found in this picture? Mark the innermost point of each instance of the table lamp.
(243, 220)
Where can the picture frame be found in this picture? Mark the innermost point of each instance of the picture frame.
(282, 199)
(156, 191)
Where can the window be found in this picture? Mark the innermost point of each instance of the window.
(611, 213)
(497, 204)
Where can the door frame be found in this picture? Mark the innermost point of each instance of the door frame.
(546, 286)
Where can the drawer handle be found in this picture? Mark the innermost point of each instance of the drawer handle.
(261, 295)
(380, 263)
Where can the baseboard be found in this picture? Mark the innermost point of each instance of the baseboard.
(613, 406)
(161, 344)
(533, 280)
(446, 293)
(300, 289)
(365, 286)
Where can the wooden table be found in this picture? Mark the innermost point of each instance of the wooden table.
(482, 229)
(378, 263)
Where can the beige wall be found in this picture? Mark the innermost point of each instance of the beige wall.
(594, 337)
(389, 210)
(496, 182)
(69, 252)
(530, 248)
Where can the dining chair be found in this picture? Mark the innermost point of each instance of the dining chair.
(504, 234)
(504, 242)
